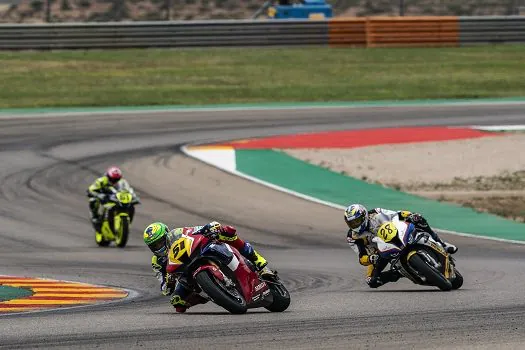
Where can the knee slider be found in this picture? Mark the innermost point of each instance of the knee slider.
(374, 282)
(247, 250)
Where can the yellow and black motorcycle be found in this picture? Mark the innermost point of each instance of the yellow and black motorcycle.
(117, 215)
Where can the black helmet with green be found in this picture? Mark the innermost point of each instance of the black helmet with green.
(155, 238)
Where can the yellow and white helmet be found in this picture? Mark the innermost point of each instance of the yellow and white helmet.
(356, 217)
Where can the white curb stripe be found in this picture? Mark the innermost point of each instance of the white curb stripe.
(498, 127)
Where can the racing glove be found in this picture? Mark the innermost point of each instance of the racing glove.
(373, 258)
(417, 219)
(213, 229)
(367, 260)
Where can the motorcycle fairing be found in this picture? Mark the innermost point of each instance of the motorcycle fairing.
(404, 232)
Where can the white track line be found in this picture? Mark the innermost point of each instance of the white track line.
(71, 112)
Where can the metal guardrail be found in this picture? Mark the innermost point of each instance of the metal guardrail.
(380, 31)
(163, 34)
(491, 30)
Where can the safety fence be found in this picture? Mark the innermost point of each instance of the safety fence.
(491, 30)
(348, 32)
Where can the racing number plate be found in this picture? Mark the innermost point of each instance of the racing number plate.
(180, 250)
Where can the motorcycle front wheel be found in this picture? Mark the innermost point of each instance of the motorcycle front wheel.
(433, 277)
(123, 232)
(457, 282)
(228, 298)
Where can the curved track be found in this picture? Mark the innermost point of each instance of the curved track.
(47, 163)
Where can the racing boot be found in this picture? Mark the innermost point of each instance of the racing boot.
(382, 279)
(450, 248)
(255, 258)
(179, 304)
(182, 305)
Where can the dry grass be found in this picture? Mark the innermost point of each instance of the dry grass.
(502, 195)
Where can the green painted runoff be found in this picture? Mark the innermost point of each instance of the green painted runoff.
(280, 169)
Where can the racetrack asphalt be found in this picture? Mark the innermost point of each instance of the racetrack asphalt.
(47, 163)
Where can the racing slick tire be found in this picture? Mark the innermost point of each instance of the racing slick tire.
(229, 299)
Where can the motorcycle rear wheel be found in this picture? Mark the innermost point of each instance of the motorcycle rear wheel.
(211, 286)
(433, 277)
(281, 298)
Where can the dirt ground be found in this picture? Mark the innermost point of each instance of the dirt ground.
(487, 174)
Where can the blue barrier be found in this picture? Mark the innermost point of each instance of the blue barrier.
(308, 9)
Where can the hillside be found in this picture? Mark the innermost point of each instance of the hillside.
(33, 11)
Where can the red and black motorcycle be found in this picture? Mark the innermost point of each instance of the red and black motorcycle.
(217, 271)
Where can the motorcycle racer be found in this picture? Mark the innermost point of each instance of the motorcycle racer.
(159, 239)
(98, 192)
(363, 226)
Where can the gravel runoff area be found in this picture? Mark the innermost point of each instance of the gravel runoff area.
(487, 174)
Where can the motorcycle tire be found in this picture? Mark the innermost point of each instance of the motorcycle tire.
(281, 298)
(123, 240)
(218, 294)
(458, 281)
(433, 277)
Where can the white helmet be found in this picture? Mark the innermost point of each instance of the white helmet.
(356, 217)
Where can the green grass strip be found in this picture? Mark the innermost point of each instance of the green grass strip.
(283, 170)
(257, 75)
(8, 293)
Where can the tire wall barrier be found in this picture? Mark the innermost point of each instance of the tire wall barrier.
(163, 34)
(337, 32)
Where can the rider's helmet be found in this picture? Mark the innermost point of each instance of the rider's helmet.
(155, 238)
(113, 174)
(356, 217)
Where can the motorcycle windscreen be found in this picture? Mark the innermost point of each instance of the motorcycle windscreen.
(220, 251)
(407, 233)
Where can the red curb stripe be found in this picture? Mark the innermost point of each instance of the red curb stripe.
(362, 138)
(32, 306)
(72, 291)
(45, 283)
(37, 284)
(72, 298)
